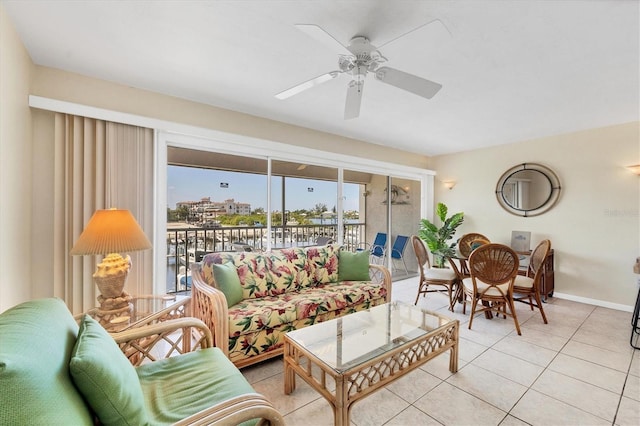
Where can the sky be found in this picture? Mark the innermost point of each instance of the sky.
(193, 184)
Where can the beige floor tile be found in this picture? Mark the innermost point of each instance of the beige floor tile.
(478, 335)
(632, 388)
(635, 364)
(316, 413)
(536, 409)
(514, 346)
(553, 328)
(613, 359)
(542, 339)
(582, 395)
(452, 406)
(469, 350)
(612, 342)
(513, 421)
(414, 385)
(567, 311)
(489, 387)
(439, 366)
(586, 383)
(377, 408)
(628, 413)
(263, 370)
(412, 416)
(510, 367)
(273, 389)
(604, 377)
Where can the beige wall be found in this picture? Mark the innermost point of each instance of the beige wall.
(595, 226)
(15, 167)
(60, 85)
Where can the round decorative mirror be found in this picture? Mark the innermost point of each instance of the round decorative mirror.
(528, 189)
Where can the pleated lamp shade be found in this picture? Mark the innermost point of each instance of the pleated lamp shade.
(111, 231)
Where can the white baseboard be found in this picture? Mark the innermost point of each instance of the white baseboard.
(596, 302)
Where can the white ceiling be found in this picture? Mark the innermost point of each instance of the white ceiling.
(511, 70)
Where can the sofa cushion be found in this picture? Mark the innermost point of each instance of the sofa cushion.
(323, 261)
(36, 339)
(171, 383)
(289, 270)
(228, 282)
(353, 266)
(105, 377)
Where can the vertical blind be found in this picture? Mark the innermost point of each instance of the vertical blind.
(99, 165)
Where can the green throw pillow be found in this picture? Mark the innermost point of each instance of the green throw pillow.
(105, 377)
(353, 266)
(228, 282)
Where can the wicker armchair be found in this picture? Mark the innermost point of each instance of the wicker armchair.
(58, 373)
(493, 268)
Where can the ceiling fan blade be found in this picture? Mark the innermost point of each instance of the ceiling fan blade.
(307, 84)
(409, 82)
(437, 28)
(323, 37)
(354, 99)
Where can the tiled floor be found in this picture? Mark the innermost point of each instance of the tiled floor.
(577, 370)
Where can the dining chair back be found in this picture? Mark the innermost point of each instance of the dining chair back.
(493, 269)
(526, 288)
(469, 242)
(444, 279)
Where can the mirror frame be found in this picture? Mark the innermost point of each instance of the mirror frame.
(546, 205)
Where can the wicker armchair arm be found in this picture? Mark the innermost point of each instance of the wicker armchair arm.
(237, 410)
(210, 305)
(163, 339)
(381, 275)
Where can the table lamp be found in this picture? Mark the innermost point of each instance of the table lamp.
(110, 232)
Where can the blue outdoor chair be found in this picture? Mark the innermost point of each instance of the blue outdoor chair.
(378, 248)
(397, 251)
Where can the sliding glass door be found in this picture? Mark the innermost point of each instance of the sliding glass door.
(220, 197)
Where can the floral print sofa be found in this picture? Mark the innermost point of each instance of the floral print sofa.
(281, 290)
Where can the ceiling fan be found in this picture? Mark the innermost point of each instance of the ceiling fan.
(358, 59)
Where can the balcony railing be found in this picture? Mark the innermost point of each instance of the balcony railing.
(188, 245)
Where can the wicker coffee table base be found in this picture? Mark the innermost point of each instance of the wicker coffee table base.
(362, 380)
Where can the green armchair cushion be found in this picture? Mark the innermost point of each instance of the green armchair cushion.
(36, 339)
(353, 266)
(170, 384)
(228, 282)
(105, 377)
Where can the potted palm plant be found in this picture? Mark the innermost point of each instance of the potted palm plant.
(437, 238)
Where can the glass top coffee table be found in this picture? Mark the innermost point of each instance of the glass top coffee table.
(364, 351)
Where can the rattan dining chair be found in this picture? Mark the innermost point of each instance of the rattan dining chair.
(527, 287)
(493, 269)
(429, 276)
(466, 244)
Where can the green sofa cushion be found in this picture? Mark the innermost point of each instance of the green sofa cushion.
(36, 339)
(353, 266)
(105, 377)
(170, 384)
(228, 282)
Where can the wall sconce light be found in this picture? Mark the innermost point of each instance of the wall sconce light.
(449, 184)
(635, 169)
